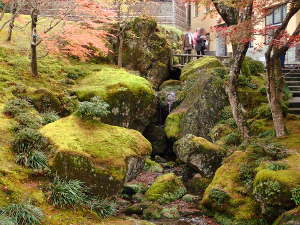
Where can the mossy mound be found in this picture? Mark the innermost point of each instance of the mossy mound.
(101, 155)
(166, 188)
(206, 62)
(226, 194)
(173, 124)
(131, 98)
(200, 154)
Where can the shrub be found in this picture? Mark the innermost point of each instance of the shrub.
(28, 120)
(67, 193)
(226, 113)
(34, 160)
(245, 81)
(27, 140)
(247, 174)
(296, 195)
(171, 196)
(4, 220)
(104, 208)
(218, 196)
(76, 72)
(232, 139)
(273, 151)
(277, 166)
(15, 106)
(263, 112)
(95, 108)
(49, 117)
(266, 191)
(23, 213)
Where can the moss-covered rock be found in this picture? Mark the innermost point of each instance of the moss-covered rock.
(166, 188)
(291, 217)
(203, 97)
(146, 49)
(131, 98)
(153, 166)
(200, 154)
(101, 155)
(226, 194)
(206, 62)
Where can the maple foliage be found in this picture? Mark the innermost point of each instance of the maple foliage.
(83, 30)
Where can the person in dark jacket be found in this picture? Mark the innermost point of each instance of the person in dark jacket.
(200, 42)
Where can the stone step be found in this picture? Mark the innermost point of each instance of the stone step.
(292, 78)
(291, 75)
(295, 93)
(294, 88)
(293, 83)
(294, 111)
(294, 102)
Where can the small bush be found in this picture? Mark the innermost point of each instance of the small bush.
(169, 197)
(218, 196)
(75, 73)
(4, 220)
(34, 160)
(247, 174)
(272, 151)
(226, 113)
(28, 120)
(49, 117)
(296, 195)
(27, 140)
(267, 191)
(104, 208)
(232, 139)
(93, 109)
(277, 166)
(245, 81)
(263, 112)
(16, 106)
(23, 213)
(67, 193)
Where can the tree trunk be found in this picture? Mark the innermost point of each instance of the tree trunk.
(12, 22)
(34, 18)
(11, 27)
(231, 90)
(275, 89)
(120, 50)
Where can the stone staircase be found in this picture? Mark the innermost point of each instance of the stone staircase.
(292, 78)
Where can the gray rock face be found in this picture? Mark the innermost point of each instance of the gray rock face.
(157, 137)
(200, 154)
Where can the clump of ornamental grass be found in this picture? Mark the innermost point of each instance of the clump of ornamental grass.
(96, 108)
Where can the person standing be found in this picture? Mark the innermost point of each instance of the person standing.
(188, 45)
(200, 42)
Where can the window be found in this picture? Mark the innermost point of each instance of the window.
(196, 9)
(277, 16)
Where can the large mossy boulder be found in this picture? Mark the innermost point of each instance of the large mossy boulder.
(203, 97)
(166, 188)
(146, 49)
(200, 154)
(225, 194)
(131, 98)
(101, 155)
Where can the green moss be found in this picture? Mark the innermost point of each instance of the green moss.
(206, 62)
(166, 188)
(226, 179)
(85, 149)
(172, 124)
(153, 166)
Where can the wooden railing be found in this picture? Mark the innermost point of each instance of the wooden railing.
(183, 59)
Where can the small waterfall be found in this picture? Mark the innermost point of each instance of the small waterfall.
(171, 98)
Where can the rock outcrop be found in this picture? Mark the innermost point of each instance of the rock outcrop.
(101, 155)
(203, 97)
(200, 154)
(131, 98)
